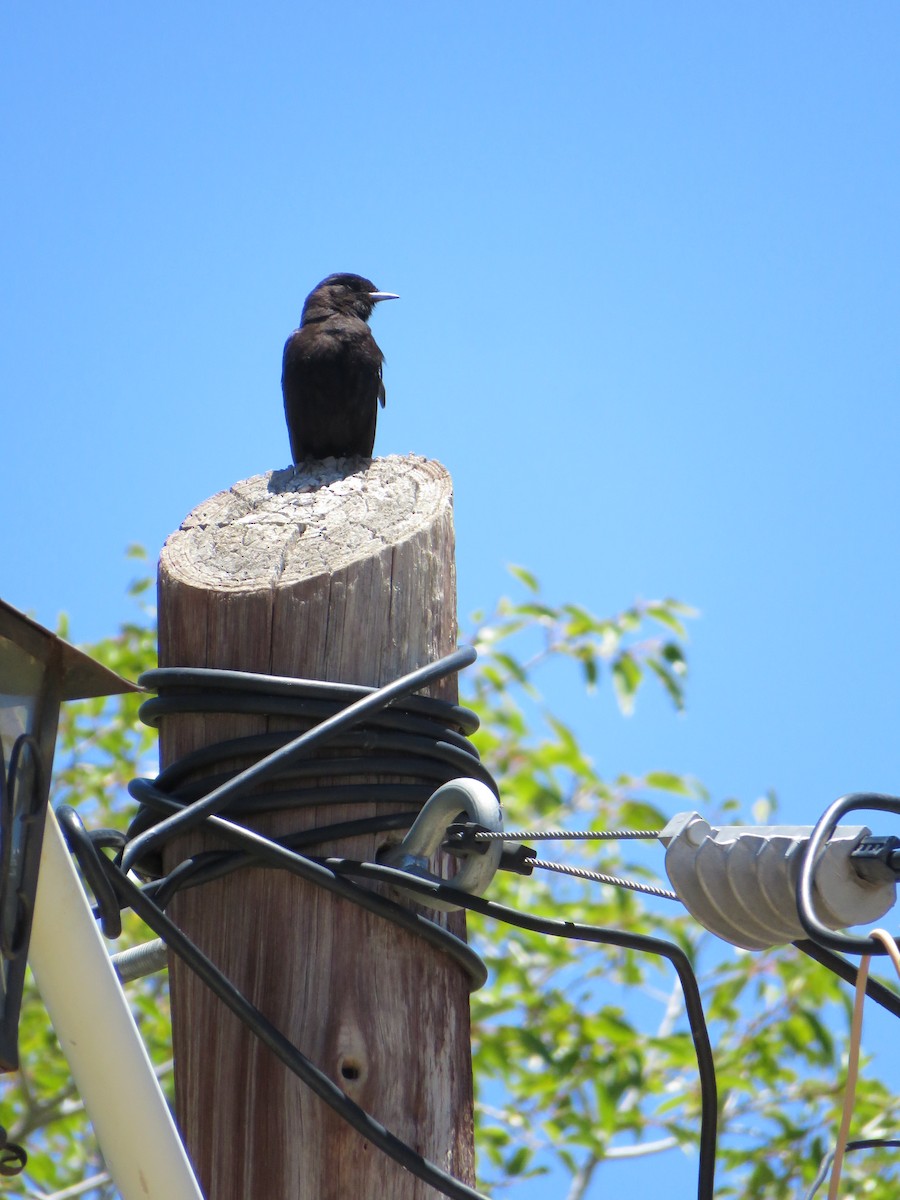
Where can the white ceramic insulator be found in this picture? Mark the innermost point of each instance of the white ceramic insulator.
(740, 881)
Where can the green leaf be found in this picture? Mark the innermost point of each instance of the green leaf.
(591, 669)
(667, 781)
(673, 687)
(662, 613)
(524, 577)
(626, 674)
(543, 611)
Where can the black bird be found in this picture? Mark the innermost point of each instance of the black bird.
(331, 371)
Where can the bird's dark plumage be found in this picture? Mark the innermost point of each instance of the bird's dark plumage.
(331, 371)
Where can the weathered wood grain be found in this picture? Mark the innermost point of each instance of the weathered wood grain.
(345, 573)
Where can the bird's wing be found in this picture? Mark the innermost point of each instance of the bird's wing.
(381, 392)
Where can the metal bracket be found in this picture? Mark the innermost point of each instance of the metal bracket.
(461, 797)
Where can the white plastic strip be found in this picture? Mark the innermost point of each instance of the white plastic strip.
(98, 1036)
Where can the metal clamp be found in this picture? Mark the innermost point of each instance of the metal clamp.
(478, 803)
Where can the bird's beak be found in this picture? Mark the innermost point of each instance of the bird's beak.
(376, 296)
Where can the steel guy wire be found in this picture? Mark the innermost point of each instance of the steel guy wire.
(560, 835)
(598, 877)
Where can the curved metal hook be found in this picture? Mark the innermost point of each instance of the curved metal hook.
(428, 831)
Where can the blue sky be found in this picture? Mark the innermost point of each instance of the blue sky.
(649, 269)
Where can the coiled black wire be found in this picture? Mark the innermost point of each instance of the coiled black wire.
(420, 738)
(345, 731)
(417, 737)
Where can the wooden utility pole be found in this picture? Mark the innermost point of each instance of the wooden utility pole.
(346, 576)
